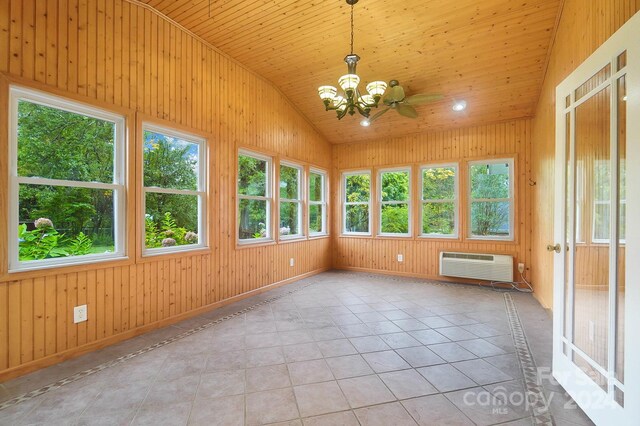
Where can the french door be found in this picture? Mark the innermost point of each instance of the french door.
(596, 344)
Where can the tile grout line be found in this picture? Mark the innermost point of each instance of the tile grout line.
(535, 395)
(77, 376)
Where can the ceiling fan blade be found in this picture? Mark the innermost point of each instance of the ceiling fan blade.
(407, 110)
(394, 94)
(423, 99)
(378, 114)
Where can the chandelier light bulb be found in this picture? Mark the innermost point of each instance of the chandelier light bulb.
(376, 88)
(327, 92)
(349, 82)
(367, 100)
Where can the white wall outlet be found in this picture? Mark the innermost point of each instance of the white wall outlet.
(291, 262)
(521, 267)
(79, 314)
(400, 258)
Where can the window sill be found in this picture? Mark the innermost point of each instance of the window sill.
(318, 236)
(436, 237)
(356, 236)
(247, 244)
(509, 240)
(394, 236)
(153, 254)
(25, 272)
(292, 239)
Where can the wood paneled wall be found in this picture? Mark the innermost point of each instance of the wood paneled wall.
(582, 28)
(421, 256)
(117, 54)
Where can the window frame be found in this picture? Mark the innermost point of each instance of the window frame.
(455, 200)
(408, 202)
(201, 191)
(345, 203)
(322, 202)
(268, 197)
(299, 200)
(117, 186)
(511, 200)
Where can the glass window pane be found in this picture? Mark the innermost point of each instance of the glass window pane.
(58, 144)
(395, 186)
(490, 219)
(439, 183)
(601, 221)
(316, 187)
(438, 218)
(289, 182)
(357, 188)
(315, 218)
(395, 219)
(490, 180)
(170, 162)
(252, 176)
(252, 219)
(357, 218)
(56, 221)
(170, 220)
(289, 214)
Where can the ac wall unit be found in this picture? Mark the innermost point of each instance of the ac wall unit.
(489, 267)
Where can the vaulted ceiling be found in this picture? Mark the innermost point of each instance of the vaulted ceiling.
(490, 53)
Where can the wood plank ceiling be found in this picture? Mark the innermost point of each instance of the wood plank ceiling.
(490, 53)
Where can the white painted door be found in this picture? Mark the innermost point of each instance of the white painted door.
(596, 349)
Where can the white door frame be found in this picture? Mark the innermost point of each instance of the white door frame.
(598, 404)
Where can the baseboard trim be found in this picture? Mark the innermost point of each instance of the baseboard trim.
(68, 354)
(410, 275)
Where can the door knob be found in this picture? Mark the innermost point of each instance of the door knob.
(557, 248)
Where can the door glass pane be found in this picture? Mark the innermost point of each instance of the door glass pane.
(591, 273)
(622, 218)
(569, 228)
(597, 79)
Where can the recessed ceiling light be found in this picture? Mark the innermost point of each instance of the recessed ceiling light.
(459, 106)
(365, 123)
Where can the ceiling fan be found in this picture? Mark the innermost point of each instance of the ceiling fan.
(396, 99)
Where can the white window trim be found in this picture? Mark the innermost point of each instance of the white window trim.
(345, 203)
(298, 201)
(268, 197)
(322, 202)
(510, 200)
(17, 94)
(455, 200)
(389, 203)
(200, 192)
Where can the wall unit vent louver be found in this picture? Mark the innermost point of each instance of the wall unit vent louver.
(480, 266)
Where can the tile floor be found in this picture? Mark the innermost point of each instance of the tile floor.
(342, 349)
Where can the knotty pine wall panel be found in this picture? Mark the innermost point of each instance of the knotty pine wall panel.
(116, 53)
(510, 139)
(582, 28)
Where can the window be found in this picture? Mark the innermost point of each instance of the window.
(602, 202)
(491, 199)
(357, 203)
(439, 201)
(67, 179)
(317, 202)
(174, 188)
(290, 201)
(395, 206)
(254, 197)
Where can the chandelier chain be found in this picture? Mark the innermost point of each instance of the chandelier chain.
(352, 29)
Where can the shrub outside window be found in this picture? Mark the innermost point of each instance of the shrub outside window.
(317, 202)
(254, 197)
(290, 201)
(356, 203)
(439, 194)
(174, 190)
(491, 199)
(67, 193)
(395, 202)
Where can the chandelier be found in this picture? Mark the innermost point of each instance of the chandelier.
(351, 100)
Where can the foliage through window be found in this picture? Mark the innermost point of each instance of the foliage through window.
(254, 197)
(395, 195)
(67, 185)
(290, 201)
(357, 202)
(317, 203)
(491, 199)
(439, 201)
(174, 189)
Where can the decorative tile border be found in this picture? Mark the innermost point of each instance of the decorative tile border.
(75, 377)
(535, 394)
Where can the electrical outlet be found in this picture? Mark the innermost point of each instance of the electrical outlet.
(79, 314)
(521, 267)
(291, 262)
(400, 258)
